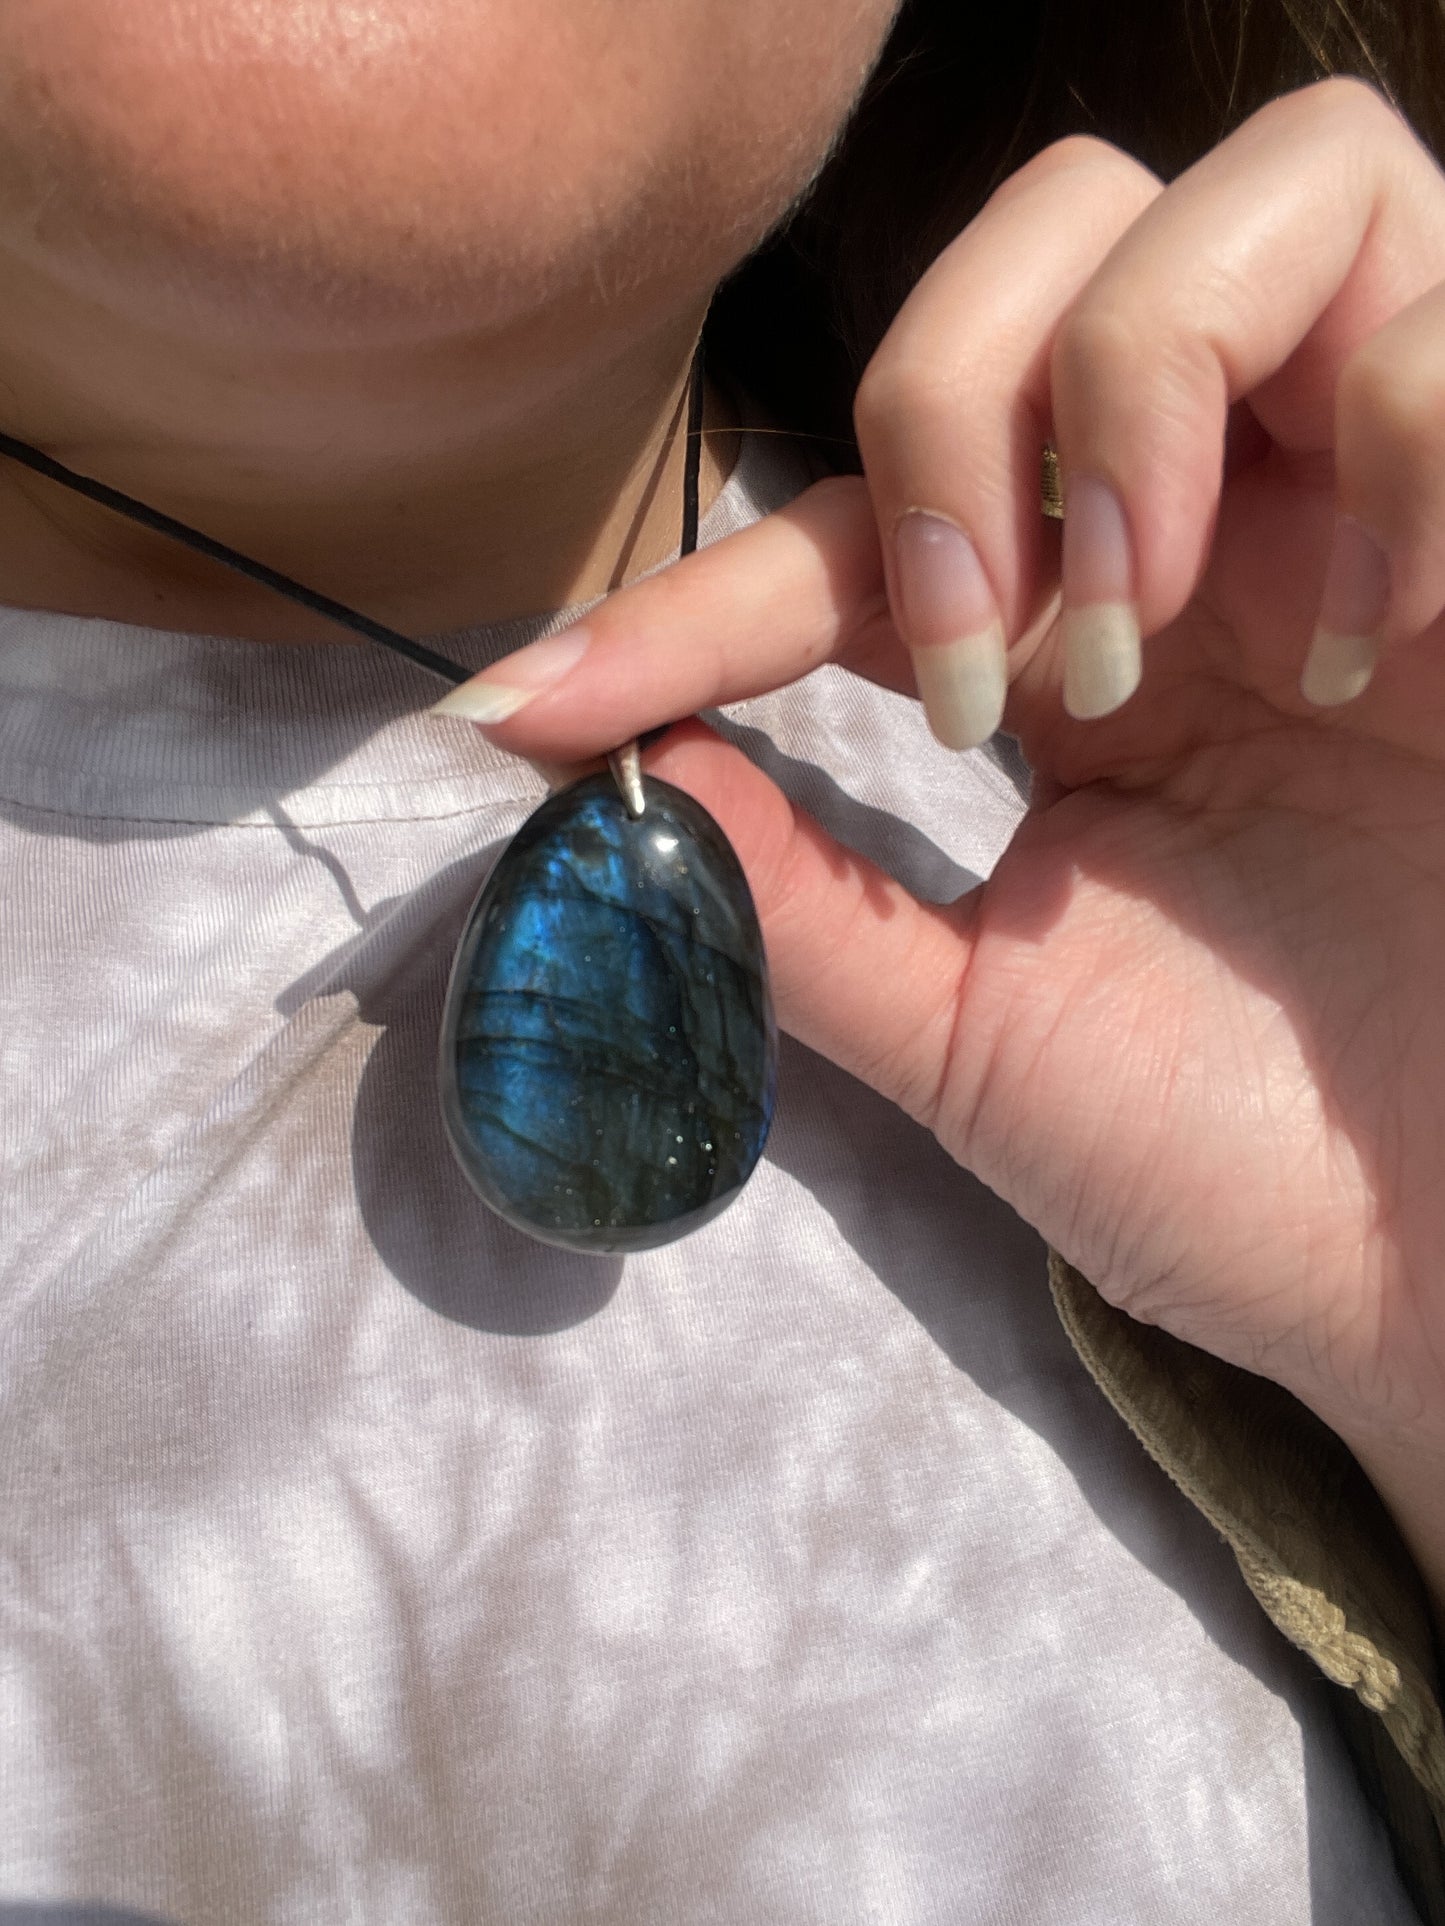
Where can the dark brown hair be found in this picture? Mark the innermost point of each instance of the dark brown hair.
(967, 90)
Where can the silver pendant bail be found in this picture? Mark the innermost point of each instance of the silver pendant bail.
(626, 766)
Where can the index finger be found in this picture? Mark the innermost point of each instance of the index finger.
(754, 611)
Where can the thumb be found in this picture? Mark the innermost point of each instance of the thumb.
(861, 971)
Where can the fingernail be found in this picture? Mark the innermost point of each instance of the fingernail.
(951, 624)
(517, 680)
(1342, 654)
(1102, 658)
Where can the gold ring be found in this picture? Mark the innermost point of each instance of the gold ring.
(1051, 493)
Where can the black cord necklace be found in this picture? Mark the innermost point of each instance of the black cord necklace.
(608, 1049)
(160, 523)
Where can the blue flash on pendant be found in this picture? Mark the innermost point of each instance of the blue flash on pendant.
(609, 1054)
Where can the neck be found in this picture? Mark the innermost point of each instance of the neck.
(433, 486)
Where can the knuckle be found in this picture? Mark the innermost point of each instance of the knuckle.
(1354, 100)
(1340, 106)
(1115, 351)
(1097, 344)
(1074, 150)
(1080, 153)
(901, 390)
(1395, 405)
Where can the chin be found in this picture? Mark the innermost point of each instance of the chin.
(344, 172)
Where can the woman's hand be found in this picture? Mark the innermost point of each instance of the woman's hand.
(1193, 1028)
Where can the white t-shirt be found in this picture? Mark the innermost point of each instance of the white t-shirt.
(364, 1561)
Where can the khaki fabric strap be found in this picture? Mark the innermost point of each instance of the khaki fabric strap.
(1314, 1542)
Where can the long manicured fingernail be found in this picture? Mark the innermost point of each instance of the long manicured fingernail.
(1102, 659)
(516, 680)
(1341, 657)
(951, 624)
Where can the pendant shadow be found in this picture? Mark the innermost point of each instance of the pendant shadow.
(439, 1241)
(434, 1234)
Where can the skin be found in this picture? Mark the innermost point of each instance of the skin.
(309, 280)
(399, 295)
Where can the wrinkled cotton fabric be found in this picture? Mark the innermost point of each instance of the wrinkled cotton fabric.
(365, 1562)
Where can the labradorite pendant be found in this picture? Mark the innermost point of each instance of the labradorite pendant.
(609, 1056)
